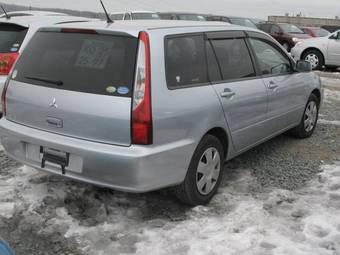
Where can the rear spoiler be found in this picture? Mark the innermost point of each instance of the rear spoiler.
(85, 31)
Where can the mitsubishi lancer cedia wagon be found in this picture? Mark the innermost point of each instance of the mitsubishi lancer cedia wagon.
(139, 106)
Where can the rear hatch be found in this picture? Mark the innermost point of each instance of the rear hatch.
(76, 83)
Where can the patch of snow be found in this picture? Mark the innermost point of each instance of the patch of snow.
(7, 209)
(329, 122)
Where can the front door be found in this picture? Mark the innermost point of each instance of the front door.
(334, 50)
(286, 89)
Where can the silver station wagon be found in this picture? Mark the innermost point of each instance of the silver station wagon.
(140, 106)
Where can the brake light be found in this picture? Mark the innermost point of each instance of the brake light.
(141, 127)
(7, 61)
(78, 31)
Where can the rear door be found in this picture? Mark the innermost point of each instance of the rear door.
(286, 88)
(76, 83)
(242, 93)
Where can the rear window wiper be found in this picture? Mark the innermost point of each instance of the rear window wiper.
(55, 82)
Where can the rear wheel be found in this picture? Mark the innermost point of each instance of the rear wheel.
(315, 58)
(309, 120)
(204, 174)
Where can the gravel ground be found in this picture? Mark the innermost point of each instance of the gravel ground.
(267, 186)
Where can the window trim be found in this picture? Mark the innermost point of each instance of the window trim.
(232, 33)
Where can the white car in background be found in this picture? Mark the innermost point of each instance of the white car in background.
(135, 15)
(17, 28)
(320, 52)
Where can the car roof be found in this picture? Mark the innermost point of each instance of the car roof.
(133, 27)
(132, 12)
(183, 13)
(41, 19)
(32, 13)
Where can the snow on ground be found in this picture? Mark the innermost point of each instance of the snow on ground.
(305, 221)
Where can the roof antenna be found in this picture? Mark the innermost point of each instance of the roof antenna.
(108, 19)
(6, 14)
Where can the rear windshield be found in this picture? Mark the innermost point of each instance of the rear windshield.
(11, 37)
(90, 63)
(243, 22)
(320, 32)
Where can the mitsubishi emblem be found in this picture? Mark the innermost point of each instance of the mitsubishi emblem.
(54, 103)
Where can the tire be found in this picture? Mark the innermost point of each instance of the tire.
(316, 59)
(192, 191)
(309, 119)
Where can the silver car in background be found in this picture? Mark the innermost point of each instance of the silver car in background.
(17, 28)
(140, 106)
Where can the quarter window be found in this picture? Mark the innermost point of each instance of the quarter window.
(270, 59)
(233, 58)
(185, 61)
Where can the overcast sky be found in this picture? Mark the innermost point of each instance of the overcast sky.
(251, 8)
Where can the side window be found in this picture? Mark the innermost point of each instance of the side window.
(185, 61)
(233, 58)
(274, 29)
(213, 68)
(270, 59)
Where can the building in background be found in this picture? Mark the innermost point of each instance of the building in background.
(329, 24)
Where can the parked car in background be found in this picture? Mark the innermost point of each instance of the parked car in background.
(331, 29)
(286, 34)
(17, 29)
(182, 16)
(135, 15)
(320, 52)
(315, 31)
(145, 105)
(233, 20)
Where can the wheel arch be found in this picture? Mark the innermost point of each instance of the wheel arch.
(317, 93)
(221, 134)
(313, 48)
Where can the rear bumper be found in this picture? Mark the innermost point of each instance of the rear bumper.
(132, 169)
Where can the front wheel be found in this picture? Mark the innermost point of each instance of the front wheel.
(315, 58)
(204, 174)
(309, 120)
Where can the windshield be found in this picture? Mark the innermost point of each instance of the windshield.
(193, 17)
(11, 37)
(141, 15)
(90, 63)
(243, 22)
(320, 32)
(292, 29)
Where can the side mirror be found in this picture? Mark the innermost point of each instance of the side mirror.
(303, 66)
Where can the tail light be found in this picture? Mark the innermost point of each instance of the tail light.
(141, 103)
(7, 61)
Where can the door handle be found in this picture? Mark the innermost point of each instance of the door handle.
(272, 85)
(228, 93)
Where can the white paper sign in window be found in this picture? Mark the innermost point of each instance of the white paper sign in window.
(94, 54)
